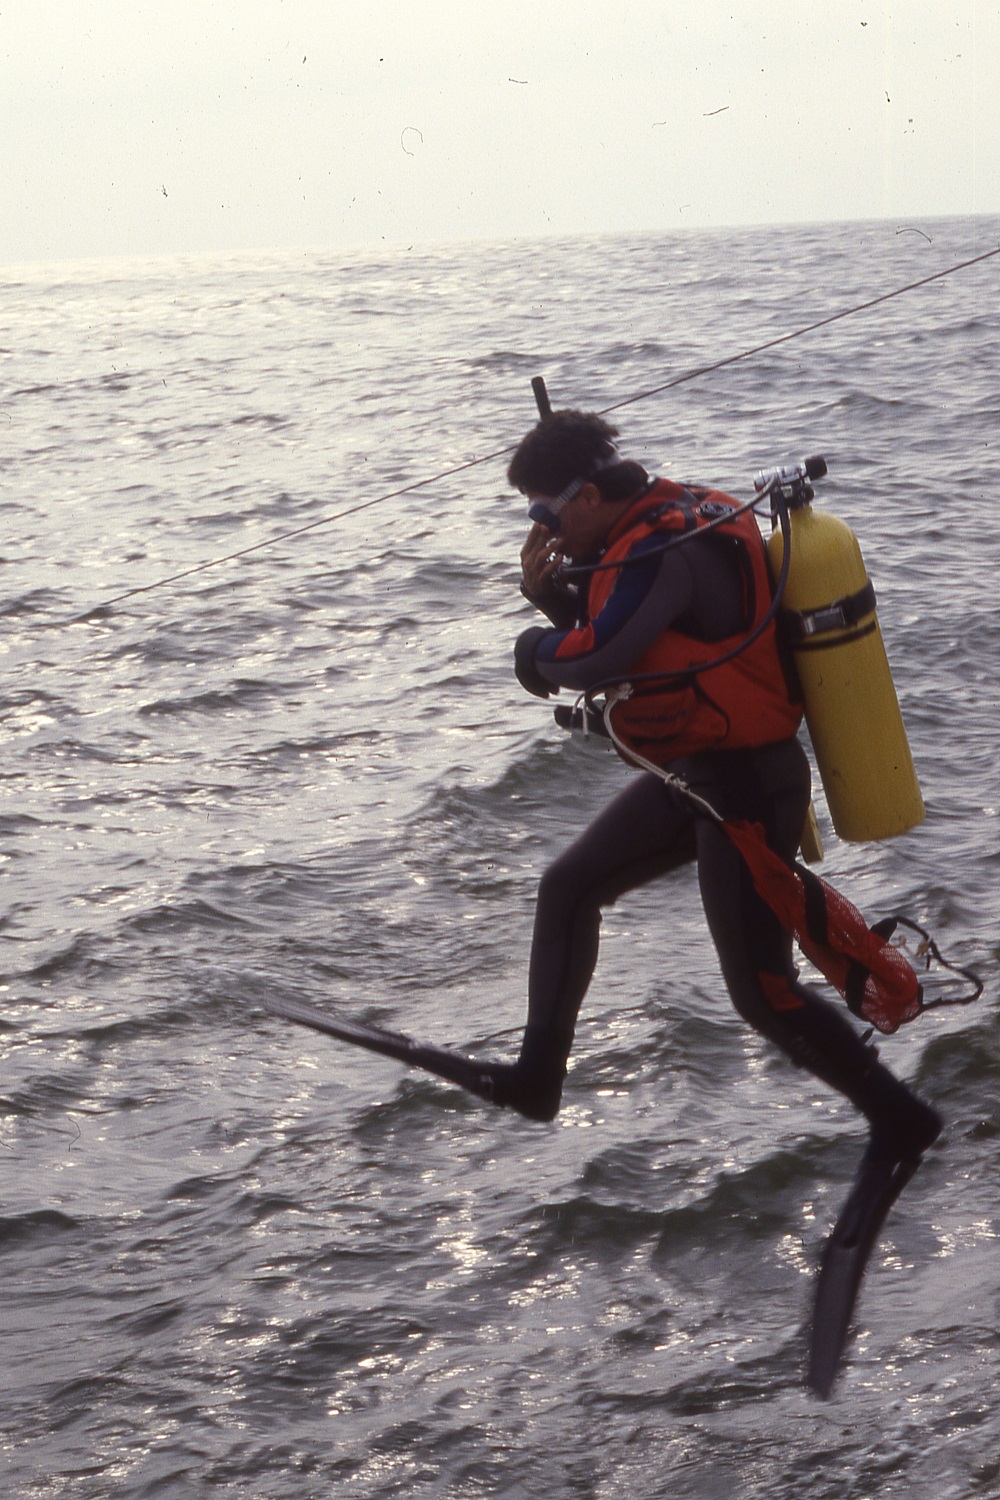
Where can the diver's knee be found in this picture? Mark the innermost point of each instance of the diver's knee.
(562, 893)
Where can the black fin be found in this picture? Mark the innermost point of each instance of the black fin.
(879, 1182)
(470, 1075)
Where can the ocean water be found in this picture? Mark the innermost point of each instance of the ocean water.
(240, 1259)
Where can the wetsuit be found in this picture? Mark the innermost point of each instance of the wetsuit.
(650, 829)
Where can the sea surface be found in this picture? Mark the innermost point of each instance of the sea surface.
(237, 1258)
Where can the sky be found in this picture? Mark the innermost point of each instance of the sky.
(137, 128)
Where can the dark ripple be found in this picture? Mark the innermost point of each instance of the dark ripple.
(17, 823)
(504, 361)
(151, 1319)
(599, 1230)
(197, 1189)
(157, 1022)
(75, 956)
(41, 1227)
(185, 916)
(34, 603)
(270, 420)
(242, 694)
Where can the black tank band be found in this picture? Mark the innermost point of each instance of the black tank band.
(803, 626)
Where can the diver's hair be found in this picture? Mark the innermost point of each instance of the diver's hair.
(621, 481)
(569, 445)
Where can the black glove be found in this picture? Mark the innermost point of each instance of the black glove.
(525, 670)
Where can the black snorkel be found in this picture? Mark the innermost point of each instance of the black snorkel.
(541, 397)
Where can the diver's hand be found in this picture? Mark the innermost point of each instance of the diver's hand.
(540, 557)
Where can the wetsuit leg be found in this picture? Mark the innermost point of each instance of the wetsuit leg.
(755, 953)
(647, 831)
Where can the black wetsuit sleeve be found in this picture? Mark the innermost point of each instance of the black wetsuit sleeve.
(695, 588)
(651, 593)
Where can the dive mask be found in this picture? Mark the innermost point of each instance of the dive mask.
(545, 508)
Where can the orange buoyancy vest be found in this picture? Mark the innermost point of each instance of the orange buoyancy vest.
(680, 703)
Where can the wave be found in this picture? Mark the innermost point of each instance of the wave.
(243, 693)
(43, 1226)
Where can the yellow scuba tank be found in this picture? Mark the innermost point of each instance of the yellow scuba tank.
(827, 610)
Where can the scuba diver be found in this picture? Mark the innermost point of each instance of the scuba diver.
(658, 597)
(711, 700)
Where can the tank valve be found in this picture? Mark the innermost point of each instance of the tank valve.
(792, 484)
